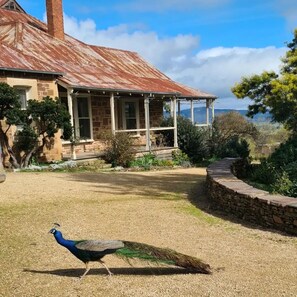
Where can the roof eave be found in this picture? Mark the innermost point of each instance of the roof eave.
(124, 90)
(198, 97)
(32, 71)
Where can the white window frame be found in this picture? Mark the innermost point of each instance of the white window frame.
(76, 117)
(124, 119)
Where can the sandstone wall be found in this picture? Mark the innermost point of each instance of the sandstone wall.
(226, 192)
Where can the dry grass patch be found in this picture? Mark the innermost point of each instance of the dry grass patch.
(149, 207)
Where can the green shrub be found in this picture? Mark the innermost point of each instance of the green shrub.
(282, 185)
(264, 173)
(279, 170)
(119, 151)
(286, 153)
(192, 140)
(145, 162)
(180, 158)
(149, 160)
(235, 147)
(26, 139)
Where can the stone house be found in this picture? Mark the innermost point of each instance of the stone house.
(105, 89)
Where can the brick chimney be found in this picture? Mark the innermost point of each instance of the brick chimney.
(55, 23)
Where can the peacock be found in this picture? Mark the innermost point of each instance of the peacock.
(95, 250)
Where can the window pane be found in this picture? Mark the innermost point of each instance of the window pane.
(130, 110)
(83, 107)
(64, 100)
(22, 98)
(131, 124)
(84, 128)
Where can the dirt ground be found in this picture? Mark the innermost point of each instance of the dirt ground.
(162, 208)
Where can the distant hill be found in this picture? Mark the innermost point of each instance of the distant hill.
(200, 115)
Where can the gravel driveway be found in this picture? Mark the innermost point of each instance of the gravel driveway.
(151, 207)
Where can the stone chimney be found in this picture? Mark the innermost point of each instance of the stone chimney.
(55, 23)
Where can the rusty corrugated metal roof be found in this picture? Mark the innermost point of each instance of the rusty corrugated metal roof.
(25, 44)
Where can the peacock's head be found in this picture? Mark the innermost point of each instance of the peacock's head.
(54, 229)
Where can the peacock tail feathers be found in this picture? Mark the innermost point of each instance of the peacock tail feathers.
(141, 251)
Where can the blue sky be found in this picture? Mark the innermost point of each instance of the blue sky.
(206, 44)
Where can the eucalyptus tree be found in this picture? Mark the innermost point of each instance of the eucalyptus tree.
(273, 92)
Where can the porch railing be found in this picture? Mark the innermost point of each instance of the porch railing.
(144, 130)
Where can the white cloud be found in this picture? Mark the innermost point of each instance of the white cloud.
(213, 70)
(218, 69)
(161, 52)
(288, 9)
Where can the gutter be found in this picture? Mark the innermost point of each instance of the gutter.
(32, 71)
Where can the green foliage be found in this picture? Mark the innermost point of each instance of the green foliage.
(266, 173)
(150, 160)
(192, 140)
(9, 102)
(145, 162)
(180, 158)
(39, 122)
(119, 151)
(272, 92)
(286, 153)
(26, 139)
(283, 184)
(48, 116)
(291, 170)
(279, 171)
(43, 120)
(235, 147)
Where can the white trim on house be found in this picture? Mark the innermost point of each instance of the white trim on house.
(77, 118)
(124, 118)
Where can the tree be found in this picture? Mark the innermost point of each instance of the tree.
(43, 120)
(230, 124)
(229, 133)
(40, 122)
(276, 93)
(10, 114)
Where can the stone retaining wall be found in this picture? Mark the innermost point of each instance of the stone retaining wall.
(226, 192)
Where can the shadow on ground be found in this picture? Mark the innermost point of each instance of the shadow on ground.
(116, 271)
(152, 185)
(166, 186)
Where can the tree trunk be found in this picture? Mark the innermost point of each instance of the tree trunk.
(28, 157)
(13, 160)
(7, 150)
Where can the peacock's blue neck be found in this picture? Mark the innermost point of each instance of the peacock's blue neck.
(69, 244)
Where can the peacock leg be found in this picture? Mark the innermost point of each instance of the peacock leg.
(87, 270)
(109, 272)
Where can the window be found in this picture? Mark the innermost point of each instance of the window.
(22, 92)
(11, 5)
(130, 114)
(83, 118)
